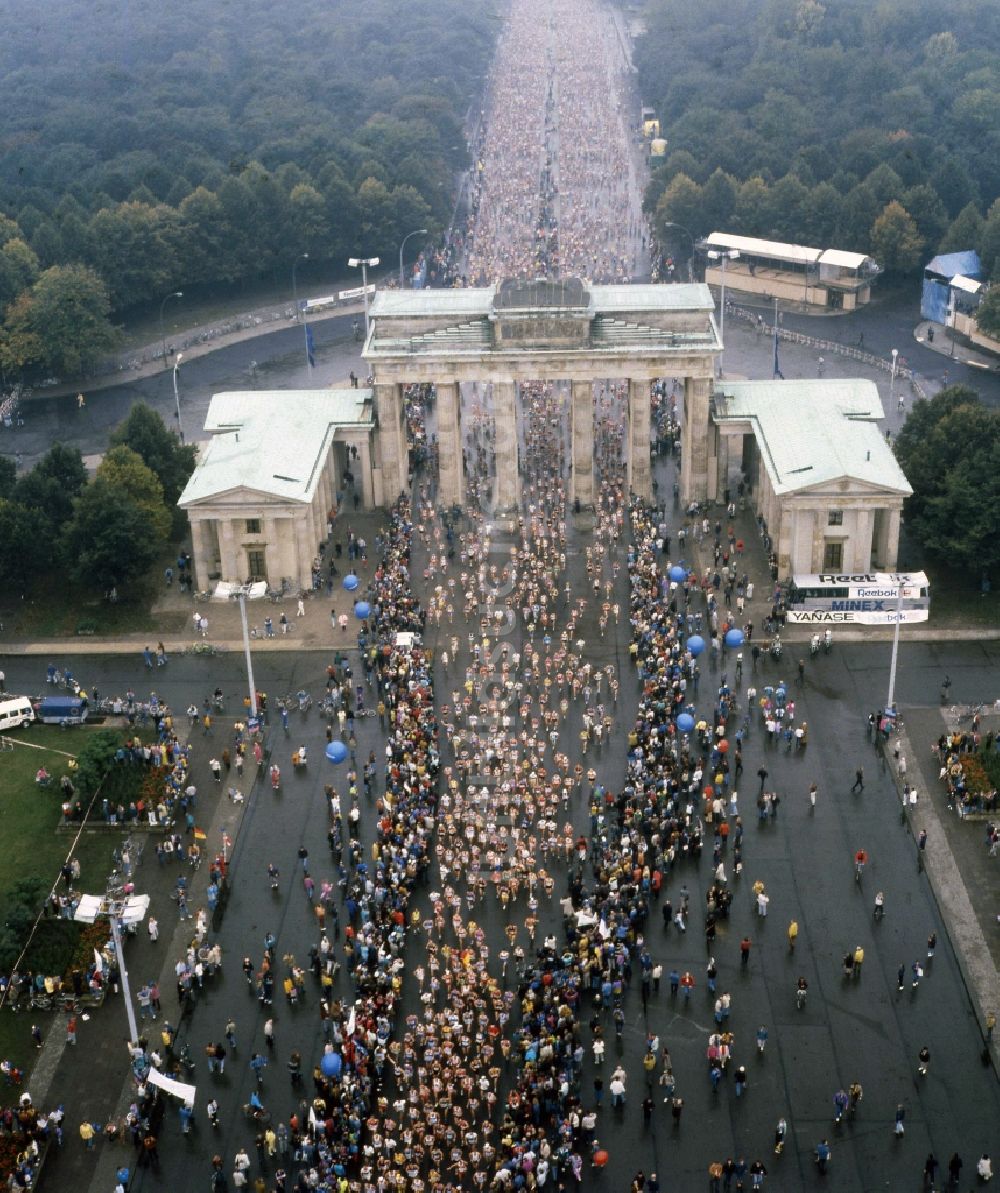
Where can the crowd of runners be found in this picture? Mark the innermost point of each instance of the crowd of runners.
(556, 188)
(480, 964)
(500, 909)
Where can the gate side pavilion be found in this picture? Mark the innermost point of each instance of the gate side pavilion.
(819, 471)
(542, 331)
(270, 478)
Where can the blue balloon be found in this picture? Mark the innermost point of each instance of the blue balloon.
(331, 1064)
(350, 582)
(685, 722)
(734, 637)
(361, 610)
(696, 644)
(336, 752)
(677, 574)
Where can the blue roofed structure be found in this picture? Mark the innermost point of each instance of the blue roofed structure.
(935, 296)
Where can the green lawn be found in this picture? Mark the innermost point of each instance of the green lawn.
(55, 608)
(956, 600)
(52, 612)
(28, 819)
(16, 1046)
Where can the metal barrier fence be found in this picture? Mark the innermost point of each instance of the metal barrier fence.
(797, 337)
(130, 362)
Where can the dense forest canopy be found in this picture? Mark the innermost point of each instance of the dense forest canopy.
(167, 145)
(871, 125)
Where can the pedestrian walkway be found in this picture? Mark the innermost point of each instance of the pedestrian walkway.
(959, 867)
(940, 339)
(148, 362)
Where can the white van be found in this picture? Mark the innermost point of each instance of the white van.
(15, 712)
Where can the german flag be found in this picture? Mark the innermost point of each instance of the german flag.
(199, 835)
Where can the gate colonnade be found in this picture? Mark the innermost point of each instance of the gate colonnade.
(516, 332)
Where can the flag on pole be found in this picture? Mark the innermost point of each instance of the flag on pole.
(777, 366)
(310, 347)
(199, 835)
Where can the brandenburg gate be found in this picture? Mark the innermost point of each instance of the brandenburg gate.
(541, 331)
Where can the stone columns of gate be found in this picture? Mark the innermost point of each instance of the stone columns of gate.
(582, 488)
(694, 440)
(392, 454)
(367, 480)
(640, 480)
(722, 467)
(451, 484)
(507, 464)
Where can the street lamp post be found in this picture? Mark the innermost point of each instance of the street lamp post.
(131, 910)
(722, 255)
(889, 704)
(295, 299)
(364, 262)
(177, 397)
(163, 334)
(418, 232)
(241, 595)
(681, 228)
(892, 376)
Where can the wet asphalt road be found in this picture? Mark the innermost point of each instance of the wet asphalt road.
(863, 1030)
(888, 323)
(281, 364)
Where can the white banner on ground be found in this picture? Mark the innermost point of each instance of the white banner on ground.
(179, 1089)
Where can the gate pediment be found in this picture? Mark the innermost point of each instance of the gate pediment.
(542, 314)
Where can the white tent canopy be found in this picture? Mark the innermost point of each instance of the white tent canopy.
(775, 250)
(226, 589)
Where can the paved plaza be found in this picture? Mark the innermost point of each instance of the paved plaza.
(859, 1030)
